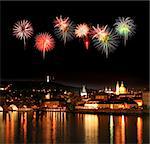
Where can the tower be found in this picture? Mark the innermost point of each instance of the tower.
(117, 88)
(53, 78)
(83, 91)
(106, 89)
(122, 85)
(47, 78)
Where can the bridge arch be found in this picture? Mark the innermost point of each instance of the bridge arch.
(1, 108)
(24, 106)
(13, 107)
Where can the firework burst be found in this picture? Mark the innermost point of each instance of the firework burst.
(125, 27)
(104, 39)
(23, 30)
(64, 28)
(82, 31)
(44, 42)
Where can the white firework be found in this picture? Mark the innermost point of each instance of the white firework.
(104, 39)
(81, 30)
(125, 27)
(23, 30)
(64, 28)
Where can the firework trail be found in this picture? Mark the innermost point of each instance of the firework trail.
(82, 31)
(44, 42)
(23, 30)
(125, 27)
(64, 28)
(104, 39)
(86, 42)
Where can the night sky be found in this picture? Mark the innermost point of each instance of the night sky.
(73, 64)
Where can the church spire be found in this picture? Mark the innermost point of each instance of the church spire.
(122, 85)
(117, 88)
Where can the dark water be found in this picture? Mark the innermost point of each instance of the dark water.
(56, 127)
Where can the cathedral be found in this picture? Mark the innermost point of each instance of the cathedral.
(121, 89)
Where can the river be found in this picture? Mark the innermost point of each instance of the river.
(62, 127)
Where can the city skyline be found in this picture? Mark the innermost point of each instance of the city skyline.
(73, 64)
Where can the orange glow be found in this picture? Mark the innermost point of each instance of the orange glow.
(25, 127)
(139, 130)
(49, 136)
(111, 106)
(91, 128)
(7, 134)
(2, 128)
(121, 106)
(139, 102)
(91, 106)
(10, 127)
(123, 129)
(120, 130)
(34, 115)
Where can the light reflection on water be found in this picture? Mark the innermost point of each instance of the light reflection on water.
(119, 129)
(111, 129)
(91, 128)
(139, 130)
(61, 127)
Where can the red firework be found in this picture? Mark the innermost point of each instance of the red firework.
(86, 43)
(44, 42)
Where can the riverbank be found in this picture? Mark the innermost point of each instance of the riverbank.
(112, 111)
(92, 111)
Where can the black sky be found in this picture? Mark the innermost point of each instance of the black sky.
(72, 64)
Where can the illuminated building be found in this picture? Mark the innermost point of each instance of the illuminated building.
(146, 98)
(47, 96)
(139, 102)
(91, 105)
(108, 90)
(47, 79)
(101, 96)
(53, 103)
(121, 89)
(83, 92)
(110, 105)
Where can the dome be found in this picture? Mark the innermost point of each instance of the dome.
(122, 89)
